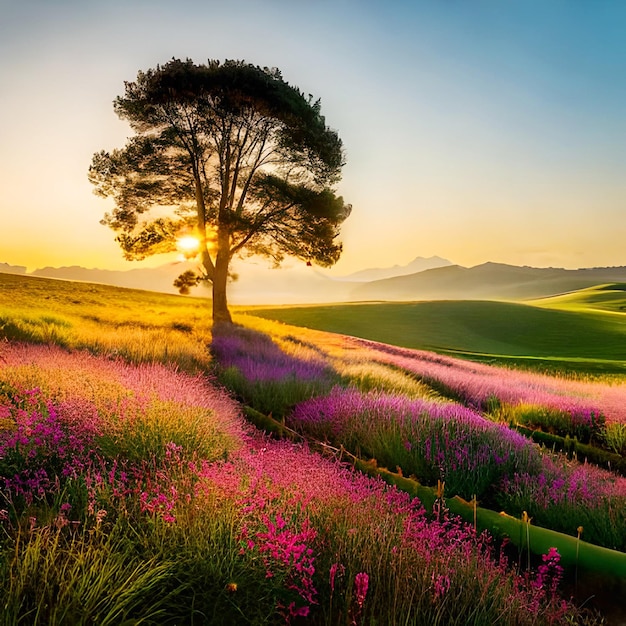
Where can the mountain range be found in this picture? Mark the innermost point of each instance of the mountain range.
(256, 283)
(489, 281)
(431, 278)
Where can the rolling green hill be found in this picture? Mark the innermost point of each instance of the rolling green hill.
(570, 337)
(609, 298)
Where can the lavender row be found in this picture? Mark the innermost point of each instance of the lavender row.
(473, 456)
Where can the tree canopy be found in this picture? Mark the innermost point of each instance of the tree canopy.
(230, 154)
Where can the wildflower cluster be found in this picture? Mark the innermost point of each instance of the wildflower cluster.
(477, 385)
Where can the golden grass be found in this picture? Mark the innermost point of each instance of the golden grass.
(140, 326)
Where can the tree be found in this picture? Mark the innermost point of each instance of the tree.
(231, 154)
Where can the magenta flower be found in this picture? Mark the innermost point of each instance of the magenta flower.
(549, 574)
(361, 584)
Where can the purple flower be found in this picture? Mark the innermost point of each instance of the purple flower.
(258, 358)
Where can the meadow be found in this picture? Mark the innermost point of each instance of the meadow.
(140, 326)
(140, 484)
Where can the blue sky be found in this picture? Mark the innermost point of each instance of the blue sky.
(474, 130)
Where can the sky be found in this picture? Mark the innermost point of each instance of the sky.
(475, 130)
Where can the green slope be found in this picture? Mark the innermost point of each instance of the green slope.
(610, 298)
(570, 337)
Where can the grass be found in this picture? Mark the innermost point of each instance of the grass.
(141, 326)
(574, 408)
(570, 338)
(580, 332)
(609, 298)
(255, 368)
(432, 441)
(82, 578)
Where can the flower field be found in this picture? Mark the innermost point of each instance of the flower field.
(439, 440)
(135, 491)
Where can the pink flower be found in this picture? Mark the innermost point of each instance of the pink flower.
(442, 585)
(361, 584)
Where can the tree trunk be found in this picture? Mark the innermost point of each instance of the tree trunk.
(221, 314)
(220, 304)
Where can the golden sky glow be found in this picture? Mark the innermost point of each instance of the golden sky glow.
(473, 131)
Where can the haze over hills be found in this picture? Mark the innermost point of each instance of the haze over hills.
(5, 268)
(258, 284)
(151, 279)
(418, 264)
(255, 283)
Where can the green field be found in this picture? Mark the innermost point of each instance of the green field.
(583, 331)
(609, 298)
(144, 536)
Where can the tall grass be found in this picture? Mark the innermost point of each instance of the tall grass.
(472, 383)
(138, 326)
(475, 458)
(464, 458)
(586, 427)
(477, 384)
(437, 441)
(351, 361)
(81, 577)
(614, 436)
(566, 495)
(144, 468)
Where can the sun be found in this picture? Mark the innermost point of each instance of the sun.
(188, 245)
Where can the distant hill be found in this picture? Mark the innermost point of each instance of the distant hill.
(489, 281)
(151, 279)
(5, 268)
(418, 264)
(609, 298)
